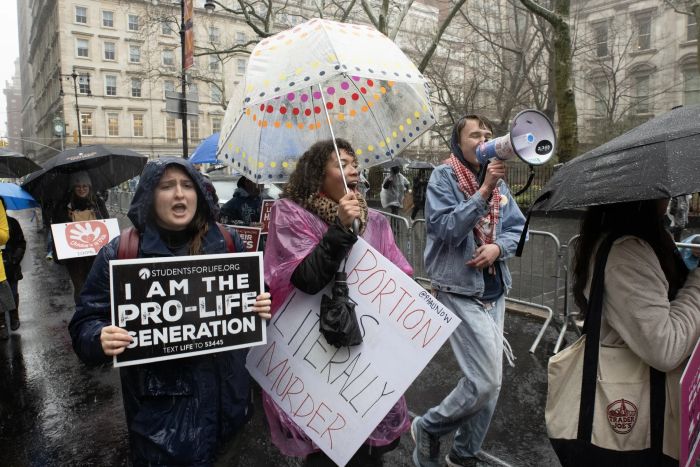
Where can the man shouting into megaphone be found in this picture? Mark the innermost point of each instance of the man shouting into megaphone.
(471, 230)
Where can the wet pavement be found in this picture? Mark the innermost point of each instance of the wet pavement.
(56, 411)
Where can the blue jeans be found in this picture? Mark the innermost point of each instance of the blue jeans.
(477, 344)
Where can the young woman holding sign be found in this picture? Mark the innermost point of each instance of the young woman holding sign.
(310, 234)
(179, 412)
(81, 204)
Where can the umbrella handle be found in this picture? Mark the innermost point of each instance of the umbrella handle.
(356, 226)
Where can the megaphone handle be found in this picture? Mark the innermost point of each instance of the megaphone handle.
(482, 173)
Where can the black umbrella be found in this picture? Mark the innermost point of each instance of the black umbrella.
(15, 165)
(658, 159)
(107, 167)
(396, 162)
(420, 165)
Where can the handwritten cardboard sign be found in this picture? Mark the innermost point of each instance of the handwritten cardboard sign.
(177, 307)
(338, 396)
(690, 410)
(84, 238)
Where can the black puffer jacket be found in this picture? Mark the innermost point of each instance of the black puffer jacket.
(178, 411)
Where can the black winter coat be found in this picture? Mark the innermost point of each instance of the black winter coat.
(179, 412)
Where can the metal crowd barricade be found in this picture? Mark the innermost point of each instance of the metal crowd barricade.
(402, 233)
(536, 278)
(418, 241)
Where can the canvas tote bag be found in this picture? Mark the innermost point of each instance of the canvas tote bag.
(605, 406)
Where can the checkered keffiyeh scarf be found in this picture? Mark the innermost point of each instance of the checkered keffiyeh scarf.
(485, 230)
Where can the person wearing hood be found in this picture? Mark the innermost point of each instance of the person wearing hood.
(178, 412)
(394, 189)
(471, 231)
(244, 206)
(310, 234)
(82, 204)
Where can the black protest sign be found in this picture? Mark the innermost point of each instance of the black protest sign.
(189, 305)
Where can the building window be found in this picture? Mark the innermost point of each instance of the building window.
(82, 48)
(600, 98)
(81, 15)
(112, 124)
(84, 84)
(110, 85)
(193, 90)
(241, 38)
(168, 87)
(691, 86)
(214, 35)
(133, 22)
(692, 28)
(215, 92)
(170, 130)
(134, 54)
(240, 66)
(108, 19)
(137, 125)
(86, 123)
(641, 102)
(216, 125)
(168, 57)
(643, 27)
(135, 87)
(194, 130)
(600, 37)
(214, 64)
(166, 28)
(110, 51)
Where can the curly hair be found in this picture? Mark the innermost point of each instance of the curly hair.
(308, 176)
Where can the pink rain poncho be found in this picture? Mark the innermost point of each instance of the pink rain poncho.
(294, 233)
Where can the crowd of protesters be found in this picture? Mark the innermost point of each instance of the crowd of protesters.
(185, 411)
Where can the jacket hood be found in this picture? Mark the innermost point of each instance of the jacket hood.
(141, 208)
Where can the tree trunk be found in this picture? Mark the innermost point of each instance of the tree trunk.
(567, 138)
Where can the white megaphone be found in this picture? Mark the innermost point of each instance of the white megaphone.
(531, 138)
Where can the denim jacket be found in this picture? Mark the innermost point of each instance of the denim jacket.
(450, 219)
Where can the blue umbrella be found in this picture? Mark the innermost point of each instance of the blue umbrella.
(16, 198)
(206, 151)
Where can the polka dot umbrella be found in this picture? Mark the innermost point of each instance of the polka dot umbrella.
(318, 80)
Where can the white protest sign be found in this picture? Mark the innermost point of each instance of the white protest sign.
(338, 396)
(84, 238)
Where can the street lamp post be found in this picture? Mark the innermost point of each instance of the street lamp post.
(209, 6)
(74, 76)
(183, 81)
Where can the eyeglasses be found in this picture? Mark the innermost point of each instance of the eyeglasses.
(82, 187)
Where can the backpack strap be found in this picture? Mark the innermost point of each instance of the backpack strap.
(230, 245)
(128, 244)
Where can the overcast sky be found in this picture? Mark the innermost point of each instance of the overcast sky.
(9, 51)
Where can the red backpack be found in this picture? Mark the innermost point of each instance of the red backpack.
(129, 242)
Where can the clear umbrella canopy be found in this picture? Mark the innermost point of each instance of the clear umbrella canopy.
(299, 79)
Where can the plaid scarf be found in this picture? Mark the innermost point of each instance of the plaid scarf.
(485, 230)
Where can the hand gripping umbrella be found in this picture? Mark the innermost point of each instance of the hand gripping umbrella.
(107, 167)
(318, 80)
